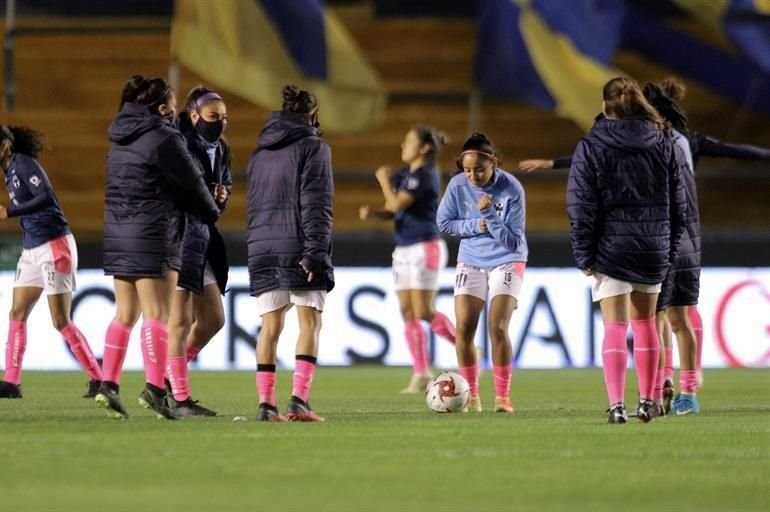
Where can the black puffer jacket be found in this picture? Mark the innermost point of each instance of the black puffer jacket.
(290, 199)
(203, 242)
(151, 182)
(626, 200)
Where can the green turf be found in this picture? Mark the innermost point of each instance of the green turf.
(383, 451)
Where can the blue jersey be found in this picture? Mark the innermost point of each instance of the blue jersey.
(34, 202)
(418, 222)
(504, 242)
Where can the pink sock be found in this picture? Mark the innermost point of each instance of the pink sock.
(688, 381)
(415, 338)
(697, 326)
(502, 380)
(82, 351)
(178, 376)
(646, 354)
(266, 386)
(154, 351)
(442, 326)
(668, 370)
(303, 378)
(615, 360)
(192, 352)
(659, 380)
(14, 351)
(115, 346)
(471, 374)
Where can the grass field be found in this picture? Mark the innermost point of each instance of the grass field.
(383, 451)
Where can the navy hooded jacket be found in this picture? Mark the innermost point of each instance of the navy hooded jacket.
(151, 182)
(290, 200)
(203, 242)
(626, 200)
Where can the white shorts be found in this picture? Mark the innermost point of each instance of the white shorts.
(604, 286)
(50, 266)
(208, 277)
(276, 299)
(417, 266)
(505, 279)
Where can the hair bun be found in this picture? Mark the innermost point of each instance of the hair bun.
(291, 93)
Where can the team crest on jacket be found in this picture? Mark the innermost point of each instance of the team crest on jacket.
(35, 181)
(499, 209)
(15, 181)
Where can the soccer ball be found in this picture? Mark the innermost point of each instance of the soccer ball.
(447, 392)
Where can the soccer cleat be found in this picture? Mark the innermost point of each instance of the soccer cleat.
(267, 412)
(154, 399)
(299, 410)
(169, 393)
(93, 388)
(657, 411)
(685, 404)
(417, 384)
(9, 390)
(645, 411)
(617, 414)
(474, 404)
(191, 407)
(108, 397)
(503, 404)
(668, 395)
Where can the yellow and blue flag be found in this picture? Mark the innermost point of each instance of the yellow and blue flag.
(554, 55)
(252, 48)
(557, 55)
(746, 23)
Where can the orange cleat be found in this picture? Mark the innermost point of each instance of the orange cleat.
(503, 404)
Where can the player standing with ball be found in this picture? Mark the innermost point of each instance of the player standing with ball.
(411, 200)
(484, 206)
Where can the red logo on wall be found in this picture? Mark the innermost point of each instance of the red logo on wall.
(741, 299)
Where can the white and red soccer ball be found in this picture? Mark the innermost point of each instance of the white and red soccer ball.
(447, 392)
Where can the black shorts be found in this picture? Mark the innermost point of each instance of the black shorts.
(681, 287)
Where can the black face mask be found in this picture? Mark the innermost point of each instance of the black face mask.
(210, 130)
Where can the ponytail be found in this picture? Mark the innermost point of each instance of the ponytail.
(152, 92)
(623, 98)
(432, 138)
(666, 107)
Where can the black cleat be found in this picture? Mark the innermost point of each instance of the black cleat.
(191, 407)
(108, 397)
(93, 388)
(9, 390)
(154, 399)
(657, 411)
(169, 393)
(668, 395)
(299, 410)
(267, 412)
(646, 411)
(617, 414)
